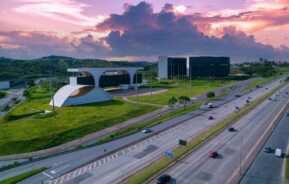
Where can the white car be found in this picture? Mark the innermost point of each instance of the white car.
(209, 105)
(278, 152)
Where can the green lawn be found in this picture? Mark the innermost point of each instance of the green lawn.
(22, 177)
(181, 88)
(20, 133)
(287, 167)
(261, 81)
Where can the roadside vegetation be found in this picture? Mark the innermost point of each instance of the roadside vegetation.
(261, 81)
(287, 167)
(2, 94)
(23, 176)
(153, 169)
(177, 88)
(27, 129)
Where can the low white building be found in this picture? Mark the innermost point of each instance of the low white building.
(85, 89)
(4, 84)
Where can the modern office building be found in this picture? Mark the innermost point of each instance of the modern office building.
(206, 66)
(171, 67)
(87, 88)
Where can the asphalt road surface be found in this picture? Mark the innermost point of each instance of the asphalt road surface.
(231, 147)
(113, 168)
(62, 164)
(267, 168)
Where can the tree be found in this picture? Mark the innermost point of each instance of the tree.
(26, 93)
(30, 83)
(172, 101)
(210, 94)
(184, 100)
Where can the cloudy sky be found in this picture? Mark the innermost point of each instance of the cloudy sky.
(142, 30)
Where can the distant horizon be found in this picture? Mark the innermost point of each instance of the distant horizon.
(135, 30)
(155, 61)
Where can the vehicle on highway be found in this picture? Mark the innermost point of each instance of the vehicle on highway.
(236, 107)
(213, 154)
(278, 152)
(237, 96)
(209, 105)
(286, 93)
(210, 117)
(269, 150)
(164, 178)
(146, 130)
(270, 98)
(287, 113)
(231, 129)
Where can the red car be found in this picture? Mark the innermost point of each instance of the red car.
(213, 154)
(210, 117)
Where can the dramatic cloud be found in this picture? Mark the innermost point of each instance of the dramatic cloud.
(68, 11)
(141, 32)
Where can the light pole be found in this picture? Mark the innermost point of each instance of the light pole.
(136, 89)
(52, 95)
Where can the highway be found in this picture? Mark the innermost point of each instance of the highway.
(113, 168)
(231, 147)
(267, 168)
(62, 164)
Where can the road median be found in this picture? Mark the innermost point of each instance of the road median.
(151, 171)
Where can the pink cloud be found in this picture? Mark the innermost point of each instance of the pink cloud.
(68, 11)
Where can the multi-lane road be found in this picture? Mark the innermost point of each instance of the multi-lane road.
(115, 167)
(233, 148)
(120, 162)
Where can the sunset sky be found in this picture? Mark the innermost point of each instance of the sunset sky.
(142, 30)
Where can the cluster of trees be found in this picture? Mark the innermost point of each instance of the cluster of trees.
(184, 100)
(56, 65)
(2, 94)
(263, 67)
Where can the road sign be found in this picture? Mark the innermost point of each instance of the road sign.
(170, 154)
(182, 142)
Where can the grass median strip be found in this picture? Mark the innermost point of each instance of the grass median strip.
(287, 167)
(23, 176)
(179, 152)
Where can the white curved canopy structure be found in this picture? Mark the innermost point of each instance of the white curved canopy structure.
(77, 94)
(70, 95)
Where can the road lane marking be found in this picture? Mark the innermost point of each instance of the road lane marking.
(62, 178)
(47, 175)
(68, 176)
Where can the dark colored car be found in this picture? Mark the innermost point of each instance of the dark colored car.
(164, 178)
(213, 154)
(287, 113)
(237, 96)
(210, 117)
(231, 129)
(269, 150)
(270, 98)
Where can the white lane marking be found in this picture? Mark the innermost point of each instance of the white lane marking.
(123, 152)
(90, 166)
(68, 176)
(62, 178)
(47, 175)
(85, 169)
(74, 174)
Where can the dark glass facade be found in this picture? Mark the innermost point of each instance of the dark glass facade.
(209, 66)
(177, 67)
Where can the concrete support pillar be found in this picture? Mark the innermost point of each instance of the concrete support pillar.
(131, 76)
